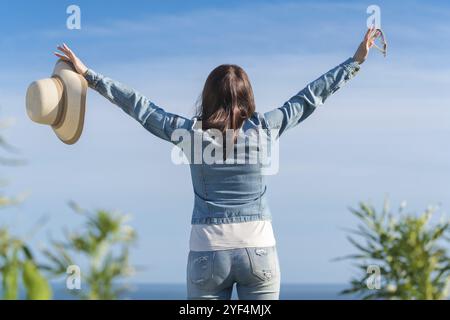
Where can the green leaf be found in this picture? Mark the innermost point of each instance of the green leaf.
(10, 278)
(37, 287)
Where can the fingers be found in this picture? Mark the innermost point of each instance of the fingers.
(67, 51)
(371, 35)
(64, 50)
(61, 56)
(369, 32)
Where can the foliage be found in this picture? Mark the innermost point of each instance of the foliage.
(16, 259)
(409, 250)
(105, 241)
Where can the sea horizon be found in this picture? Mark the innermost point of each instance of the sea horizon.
(177, 291)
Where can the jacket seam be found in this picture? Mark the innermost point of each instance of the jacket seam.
(235, 219)
(204, 187)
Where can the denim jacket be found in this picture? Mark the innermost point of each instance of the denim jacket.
(226, 193)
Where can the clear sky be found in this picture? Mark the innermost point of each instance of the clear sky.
(385, 133)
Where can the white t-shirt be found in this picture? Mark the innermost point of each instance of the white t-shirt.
(212, 237)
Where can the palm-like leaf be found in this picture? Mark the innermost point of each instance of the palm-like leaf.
(104, 241)
(407, 250)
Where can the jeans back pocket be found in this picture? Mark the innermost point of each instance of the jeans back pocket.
(200, 266)
(263, 262)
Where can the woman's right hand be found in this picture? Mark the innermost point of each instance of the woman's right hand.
(363, 50)
(67, 54)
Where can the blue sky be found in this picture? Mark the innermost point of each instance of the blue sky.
(385, 133)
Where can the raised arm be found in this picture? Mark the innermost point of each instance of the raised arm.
(303, 104)
(151, 117)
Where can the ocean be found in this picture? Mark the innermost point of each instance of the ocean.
(150, 291)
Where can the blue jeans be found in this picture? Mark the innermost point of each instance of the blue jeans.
(212, 274)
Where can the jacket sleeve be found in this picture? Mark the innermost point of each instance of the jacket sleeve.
(151, 117)
(302, 105)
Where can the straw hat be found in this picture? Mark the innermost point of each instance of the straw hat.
(59, 102)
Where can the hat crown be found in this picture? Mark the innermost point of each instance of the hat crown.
(44, 100)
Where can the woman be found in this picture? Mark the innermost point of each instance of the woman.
(231, 236)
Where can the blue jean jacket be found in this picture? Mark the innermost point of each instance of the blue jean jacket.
(226, 193)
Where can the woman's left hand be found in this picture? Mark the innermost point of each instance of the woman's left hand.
(363, 50)
(67, 54)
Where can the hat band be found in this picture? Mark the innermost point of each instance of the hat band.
(62, 102)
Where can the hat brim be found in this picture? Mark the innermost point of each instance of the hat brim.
(71, 120)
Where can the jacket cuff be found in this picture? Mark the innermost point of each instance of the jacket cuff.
(352, 66)
(92, 77)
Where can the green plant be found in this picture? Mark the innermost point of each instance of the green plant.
(409, 251)
(16, 260)
(104, 243)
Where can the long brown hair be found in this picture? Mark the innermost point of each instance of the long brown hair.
(227, 99)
